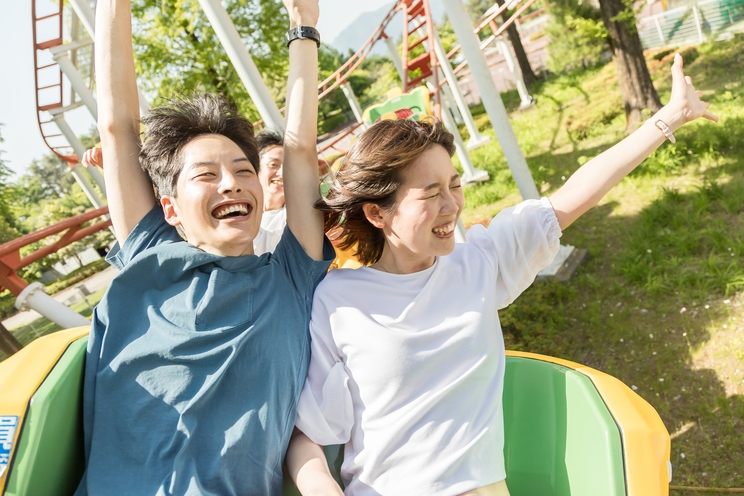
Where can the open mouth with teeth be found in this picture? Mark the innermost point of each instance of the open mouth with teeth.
(277, 182)
(232, 211)
(444, 229)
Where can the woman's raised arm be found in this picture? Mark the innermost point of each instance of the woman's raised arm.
(586, 187)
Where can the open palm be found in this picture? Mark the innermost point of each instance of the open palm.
(684, 95)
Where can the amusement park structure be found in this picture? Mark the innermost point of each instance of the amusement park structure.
(64, 81)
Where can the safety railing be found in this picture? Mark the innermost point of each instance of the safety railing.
(691, 24)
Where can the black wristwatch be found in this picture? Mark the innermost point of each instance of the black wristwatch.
(301, 32)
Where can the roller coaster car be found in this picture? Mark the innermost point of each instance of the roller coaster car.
(569, 429)
(412, 105)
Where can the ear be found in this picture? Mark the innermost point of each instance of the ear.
(170, 210)
(374, 214)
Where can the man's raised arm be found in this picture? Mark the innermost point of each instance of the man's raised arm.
(301, 183)
(130, 194)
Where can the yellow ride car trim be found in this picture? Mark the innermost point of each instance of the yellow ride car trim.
(647, 471)
(22, 374)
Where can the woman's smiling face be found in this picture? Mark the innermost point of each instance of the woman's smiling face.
(421, 226)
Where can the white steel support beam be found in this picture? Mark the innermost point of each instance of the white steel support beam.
(524, 95)
(78, 83)
(447, 94)
(34, 297)
(85, 14)
(87, 17)
(476, 138)
(353, 102)
(470, 173)
(78, 170)
(243, 63)
(491, 98)
(397, 62)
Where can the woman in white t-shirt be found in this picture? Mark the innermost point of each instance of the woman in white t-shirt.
(274, 218)
(408, 356)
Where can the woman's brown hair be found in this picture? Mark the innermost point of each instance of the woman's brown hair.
(372, 172)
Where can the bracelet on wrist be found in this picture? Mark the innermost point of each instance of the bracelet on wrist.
(664, 128)
(303, 32)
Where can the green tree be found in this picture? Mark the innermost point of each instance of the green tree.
(333, 109)
(8, 231)
(476, 8)
(178, 51)
(577, 35)
(578, 38)
(636, 87)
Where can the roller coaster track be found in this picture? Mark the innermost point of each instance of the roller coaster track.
(422, 66)
(47, 33)
(414, 11)
(489, 20)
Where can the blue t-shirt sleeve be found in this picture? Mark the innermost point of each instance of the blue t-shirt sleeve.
(149, 232)
(301, 270)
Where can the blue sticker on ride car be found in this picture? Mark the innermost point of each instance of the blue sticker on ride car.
(8, 425)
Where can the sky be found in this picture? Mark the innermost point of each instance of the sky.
(20, 129)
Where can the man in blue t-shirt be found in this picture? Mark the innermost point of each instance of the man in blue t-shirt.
(199, 350)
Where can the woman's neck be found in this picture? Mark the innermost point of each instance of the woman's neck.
(400, 263)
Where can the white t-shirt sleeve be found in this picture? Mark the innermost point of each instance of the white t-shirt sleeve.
(325, 412)
(519, 242)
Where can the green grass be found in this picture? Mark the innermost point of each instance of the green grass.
(660, 302)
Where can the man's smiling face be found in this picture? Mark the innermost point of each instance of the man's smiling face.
(270, 176)
(219, 200)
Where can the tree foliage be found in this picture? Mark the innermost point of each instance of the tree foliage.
(577, 35)
(476, 8)
(7, 221)
(177, 50)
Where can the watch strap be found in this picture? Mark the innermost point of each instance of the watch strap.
(303, 32)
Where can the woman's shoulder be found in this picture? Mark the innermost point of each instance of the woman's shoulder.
(341, 277)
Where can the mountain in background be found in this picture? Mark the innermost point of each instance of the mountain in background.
(360, 29)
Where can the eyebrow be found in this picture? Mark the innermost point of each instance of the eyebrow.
(437, 185)
(198, 164)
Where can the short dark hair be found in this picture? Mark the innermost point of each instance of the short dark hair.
(267, 138)
(372, 172)
(170, 127)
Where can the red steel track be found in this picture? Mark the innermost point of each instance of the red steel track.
(10, 252)
(49, 96)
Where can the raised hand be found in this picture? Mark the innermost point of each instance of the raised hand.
(303, 12)
(93, 158)
(685, 97)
